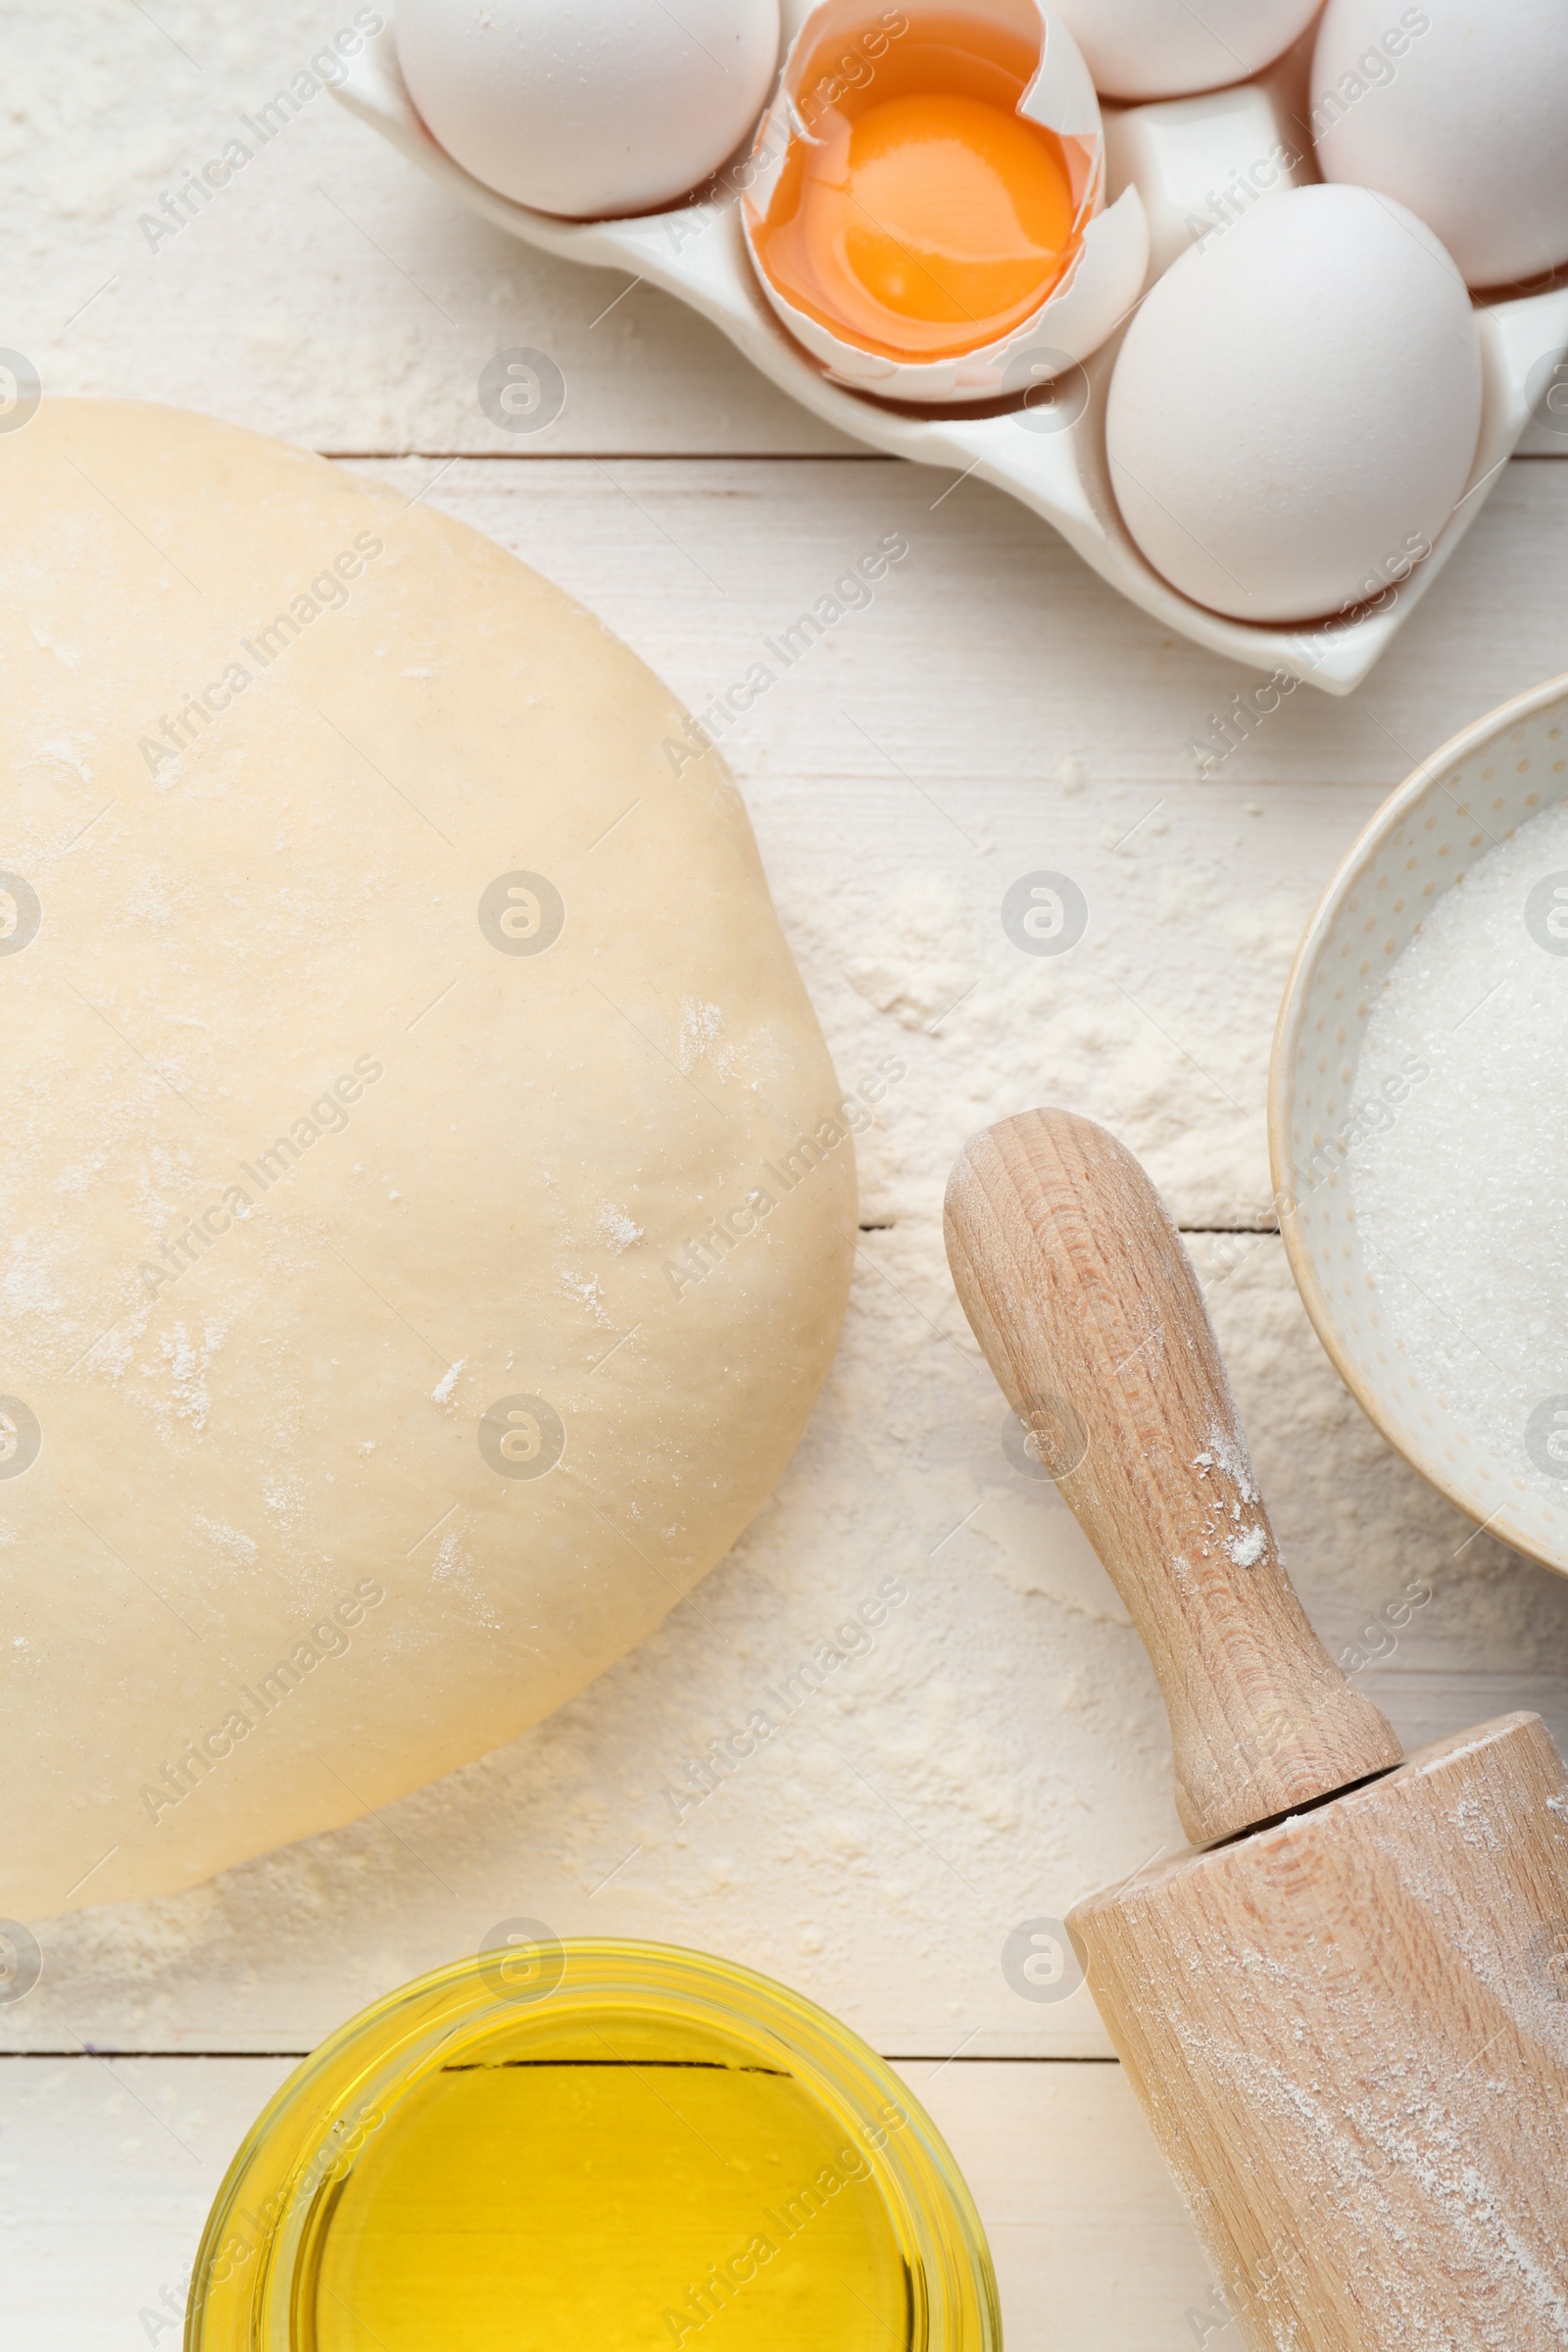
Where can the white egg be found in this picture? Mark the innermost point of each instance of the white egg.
(1294, 410)
(589, 108)
(1168, 48)
(1460, 110)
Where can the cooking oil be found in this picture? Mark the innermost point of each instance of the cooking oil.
(649, 2150)
(619, 2197)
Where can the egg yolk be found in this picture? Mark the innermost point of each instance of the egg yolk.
(922, 223)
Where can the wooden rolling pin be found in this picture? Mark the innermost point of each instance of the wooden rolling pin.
(1348, 2022)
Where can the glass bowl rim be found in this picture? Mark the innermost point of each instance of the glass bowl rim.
(393, 2037)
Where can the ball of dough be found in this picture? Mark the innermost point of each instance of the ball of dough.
(1295, 408)
(1460, 111)
(427, 1214)
(589, 108)
(1168, 48)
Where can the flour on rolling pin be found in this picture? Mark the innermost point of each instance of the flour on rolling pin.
(1343, 2011)
(1459, 1196)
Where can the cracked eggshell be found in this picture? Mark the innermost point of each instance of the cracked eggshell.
(1098, 288)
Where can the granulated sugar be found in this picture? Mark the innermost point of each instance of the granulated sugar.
(1461, 1201)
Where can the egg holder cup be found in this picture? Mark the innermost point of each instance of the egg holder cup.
(1477, 789)
(1046, 449)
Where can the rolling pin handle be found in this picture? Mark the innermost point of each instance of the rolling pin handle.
(1078, 1289)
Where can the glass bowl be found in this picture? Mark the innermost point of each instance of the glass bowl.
(624, 2146)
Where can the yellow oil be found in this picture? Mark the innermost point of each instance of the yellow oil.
(626, 2185)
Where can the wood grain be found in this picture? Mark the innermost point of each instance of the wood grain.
(1079, 1291)
(990, 656)
(1351, 2036)
(1349, 2031)
(123, 2158)
(333, 297)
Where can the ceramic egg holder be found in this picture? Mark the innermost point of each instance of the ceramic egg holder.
(1048, 452)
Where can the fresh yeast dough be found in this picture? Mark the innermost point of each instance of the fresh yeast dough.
(425, 1222)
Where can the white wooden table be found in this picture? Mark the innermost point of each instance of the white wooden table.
(996, 709)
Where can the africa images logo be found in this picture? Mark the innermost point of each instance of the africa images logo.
(19, 915)
(20, 1438)
(523, 913)
(521, 1437)
(1045, 914)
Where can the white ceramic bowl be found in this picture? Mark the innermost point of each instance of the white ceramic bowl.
(1504, 769)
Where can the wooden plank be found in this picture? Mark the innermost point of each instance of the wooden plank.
(996, 709)
(107, 2171)
(998, 1751)
(1002, 1749)
(1091, 2242)
(328, 292)
(110, 2167)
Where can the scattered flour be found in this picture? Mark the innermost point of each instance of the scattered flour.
(701, 1037)
(617, 1231)
(235, 1547)
(186, 1396)
(1227, 1454)
(1460, 1199)
(588, 1289)
(1008, 1687)
(454, 1571)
